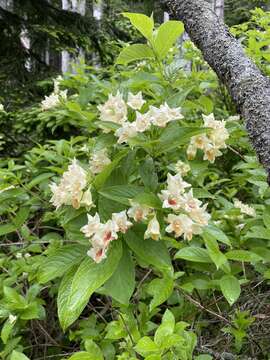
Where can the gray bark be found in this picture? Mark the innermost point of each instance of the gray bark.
(249, 88)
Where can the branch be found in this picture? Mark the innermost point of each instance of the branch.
(249, 88)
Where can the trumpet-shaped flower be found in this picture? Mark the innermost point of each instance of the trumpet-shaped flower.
(92, 225)
(127, 131)
(139, 212)
(114, 109)
(121, 221)
(153, 229)
(97, 253)
(182, 225)
(143, 121)
(135, 101)
(99, 160)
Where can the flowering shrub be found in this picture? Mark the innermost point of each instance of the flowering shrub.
(130, 239)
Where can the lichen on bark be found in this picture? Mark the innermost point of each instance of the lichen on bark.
(249, 88)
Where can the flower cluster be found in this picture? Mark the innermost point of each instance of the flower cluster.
(101, 235)
(210, 143)
(190, 216)
(115, 110)
(71, 190)
(55, 98)
(244, 208)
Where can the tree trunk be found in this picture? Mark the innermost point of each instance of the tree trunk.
(249, 89)
(78, 6)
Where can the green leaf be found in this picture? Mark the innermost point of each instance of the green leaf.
(215, 254)
(16, 355)
(21, 216)
(161, 290)
(134, 53)
(230, 288)
(266, 217)
(148, 174)
(243, 255)
(166, 37)
(145, 346)
(101, 178)
(148, 199)
(174, 136)
(74, 292)
(93, 349)
(6, 330)
(195, 254)
(203, 357)
(121, 193)
(7, 229)
(218, 234)
(38, 179)
(60, 261)
(166, 328)
(152, 252)
(121, 284)
(82, 355)
(142, 23)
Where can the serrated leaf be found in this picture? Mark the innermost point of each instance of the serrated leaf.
(145, 346)
(148, 174)
(101, 178)
(121, 193)
(166, 37)
(60, 261)
(74, 292)
(121, 284)
(230, 288)
(243, 255)
(142, 23)
(16, 355)
(152, 252)
(161, 290)
(134, 53)
(195, 254)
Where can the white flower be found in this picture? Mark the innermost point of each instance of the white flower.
(245, 209)
(121, 221)
(99, 161)
(53, 100)
(176, 183)
(211, 152)
(127, 131)
(50, 101)
(92, 226)
(143, 121)
(153, 229)
(182, 168)
(2, 108)
(12, 318)
(97, 254)
(182, 225)
(171, 197)
(209, 121)
(70, 189)
(114, 109)
(135, 101)
(105, 234)
(200, 141)
(138, 212)
(86, 199)
(164, 114)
